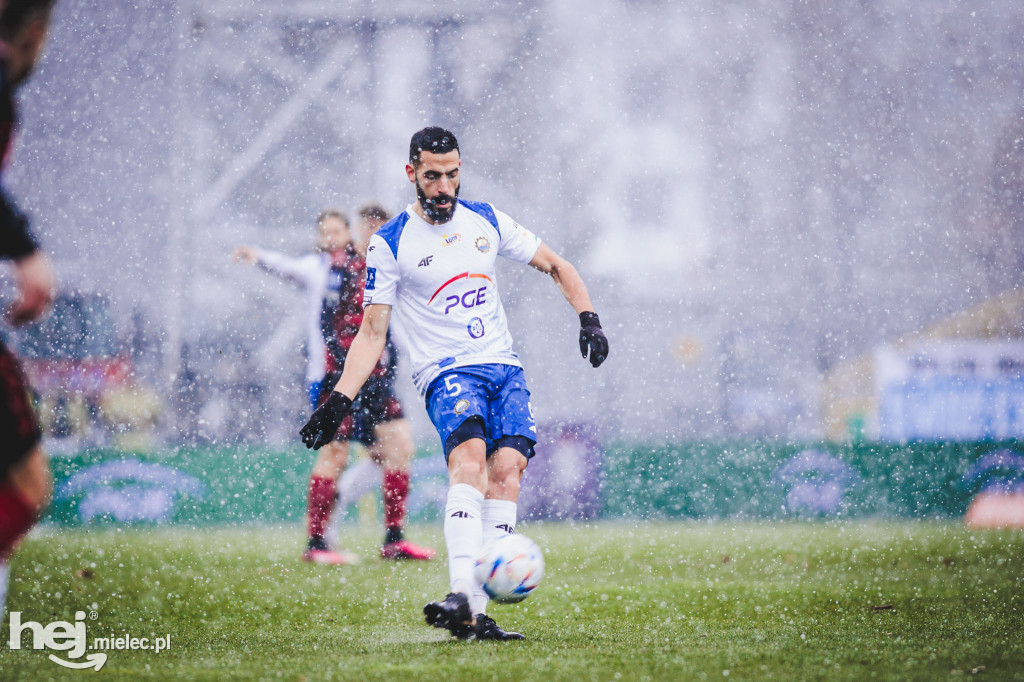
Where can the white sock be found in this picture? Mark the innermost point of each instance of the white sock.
(499, 518)
(463, 535)
(5, 570)
(361, 478)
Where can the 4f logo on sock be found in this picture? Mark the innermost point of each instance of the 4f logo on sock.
(507, 528)
(461, 515)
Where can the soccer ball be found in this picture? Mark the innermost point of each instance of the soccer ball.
(510, 568)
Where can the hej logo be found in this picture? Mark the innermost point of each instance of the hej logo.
(59, 635)
(70, 637)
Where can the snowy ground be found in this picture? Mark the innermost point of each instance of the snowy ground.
(658, 601)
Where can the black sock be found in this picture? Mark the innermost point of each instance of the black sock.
(393, 534)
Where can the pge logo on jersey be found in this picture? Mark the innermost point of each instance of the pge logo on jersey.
(468, 299)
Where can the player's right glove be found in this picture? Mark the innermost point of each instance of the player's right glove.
(325, 421)
(592, 338)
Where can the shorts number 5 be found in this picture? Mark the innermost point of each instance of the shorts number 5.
(454, 388)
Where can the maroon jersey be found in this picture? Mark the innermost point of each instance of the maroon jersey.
(342, 312)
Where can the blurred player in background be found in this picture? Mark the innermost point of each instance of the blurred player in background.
(25, 479)
(320, 275)
(309, 273)
(377, 419)
(435, 266)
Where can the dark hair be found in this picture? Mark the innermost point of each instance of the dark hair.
(332, 213)
(434, 140)
(374, 212)
(16, 13)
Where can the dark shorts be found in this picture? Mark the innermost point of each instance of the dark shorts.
(19, 425)
(376, 404)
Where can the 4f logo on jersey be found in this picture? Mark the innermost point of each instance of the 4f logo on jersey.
(426, 261)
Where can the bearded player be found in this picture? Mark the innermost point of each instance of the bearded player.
(434, 265)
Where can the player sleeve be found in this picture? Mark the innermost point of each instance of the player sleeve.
(16, 240)
(382, 273)
(300, 271)
(516, 242)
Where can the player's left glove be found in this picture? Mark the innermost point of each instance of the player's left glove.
(325, 421)
(592, 339)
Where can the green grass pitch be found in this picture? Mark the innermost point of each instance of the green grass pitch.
(620, 600)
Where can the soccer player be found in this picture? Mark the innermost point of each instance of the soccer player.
(309, 273)
(321, 275)
(25, 479)
(377, 419)
(434, 266)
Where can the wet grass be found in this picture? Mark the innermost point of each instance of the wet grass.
(630, 601)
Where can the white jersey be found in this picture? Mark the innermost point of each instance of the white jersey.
(310, 273)
(440, 282)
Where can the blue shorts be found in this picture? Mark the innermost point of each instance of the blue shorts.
(313, 393)
(496, 394)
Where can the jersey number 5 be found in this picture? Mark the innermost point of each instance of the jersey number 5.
(453, 386)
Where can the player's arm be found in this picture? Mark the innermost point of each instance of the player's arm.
(593, 342)
(300, 271)
(362, 358)
(33, 271)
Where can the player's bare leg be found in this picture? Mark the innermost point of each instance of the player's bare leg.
(394, 449)
(323, 494)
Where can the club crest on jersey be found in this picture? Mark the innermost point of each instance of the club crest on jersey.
(483, 244)
(371, 278)
(450, 239)
(461, 406)
(475, 327)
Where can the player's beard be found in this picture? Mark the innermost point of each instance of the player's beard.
(437, 215)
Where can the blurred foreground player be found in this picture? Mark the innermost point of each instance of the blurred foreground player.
(435, 266)
(377, 419)
(25, 480)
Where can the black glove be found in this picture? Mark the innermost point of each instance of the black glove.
(325, 421)
(592, 338)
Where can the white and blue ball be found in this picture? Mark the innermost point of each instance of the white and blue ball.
(510, 568)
